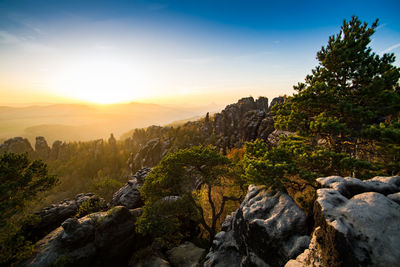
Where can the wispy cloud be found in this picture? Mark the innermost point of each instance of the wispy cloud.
(393, 47)
(8, 38)
(25, 43)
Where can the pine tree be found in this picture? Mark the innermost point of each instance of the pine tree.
(350, 103)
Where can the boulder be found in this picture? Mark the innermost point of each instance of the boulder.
(185, 255)
(267, 230)
(350, 187)
(98, 239)
(129, 195)
(51, 217)
(357, 225)
(17, 145)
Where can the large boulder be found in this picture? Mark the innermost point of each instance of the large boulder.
(98, 239)
(16, 145)
(185, 255)
(129, 195)
(51, 217)
(357, 224)
(267, 230)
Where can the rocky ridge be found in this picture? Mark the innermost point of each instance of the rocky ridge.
(356, 224)
(246, 120)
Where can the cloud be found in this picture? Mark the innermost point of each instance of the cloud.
(387, 50)
(8, 38)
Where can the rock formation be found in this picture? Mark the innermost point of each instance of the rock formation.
(51, 217)
(149, 154)
(267, 230)
(42, 149)
(129, 195)
(16, 145)
(98, 239)
(185, 255)
(357, 224)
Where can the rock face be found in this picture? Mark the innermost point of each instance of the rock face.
(240, 121)
(98, 239)
(267, 230)
(51, 217)
(186, 255)
(150, 154)
(16, 145)
(276, 101)
(357, 224)
(42, 149)
(129, 195)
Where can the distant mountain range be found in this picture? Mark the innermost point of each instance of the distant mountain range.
(77, 122)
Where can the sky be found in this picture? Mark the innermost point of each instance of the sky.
(171, 52)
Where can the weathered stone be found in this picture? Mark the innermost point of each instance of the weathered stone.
(185, 255)
(267, 229)
(42, 149)
(51, 217)
(98, 239)
(349, 187)
(129, 195)
(395, 197)
(357, 225)
(150, 154)
(16, 145)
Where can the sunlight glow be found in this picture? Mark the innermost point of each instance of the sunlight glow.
(103, 80)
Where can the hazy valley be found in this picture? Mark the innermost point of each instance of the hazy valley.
(75, 122)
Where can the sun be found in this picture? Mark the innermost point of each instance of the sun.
(100, 80)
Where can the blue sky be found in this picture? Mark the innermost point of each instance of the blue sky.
(191, 52)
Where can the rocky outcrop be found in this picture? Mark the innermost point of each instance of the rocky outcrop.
(150, 154)
(98, 239)
(277, 101)
(357, 223)
(16, 145)
(267, 230)
(240, 121)
(60, 150)
(129, 195)
(42, 149)
(51, 217)
(185, 255)
(349, 187)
